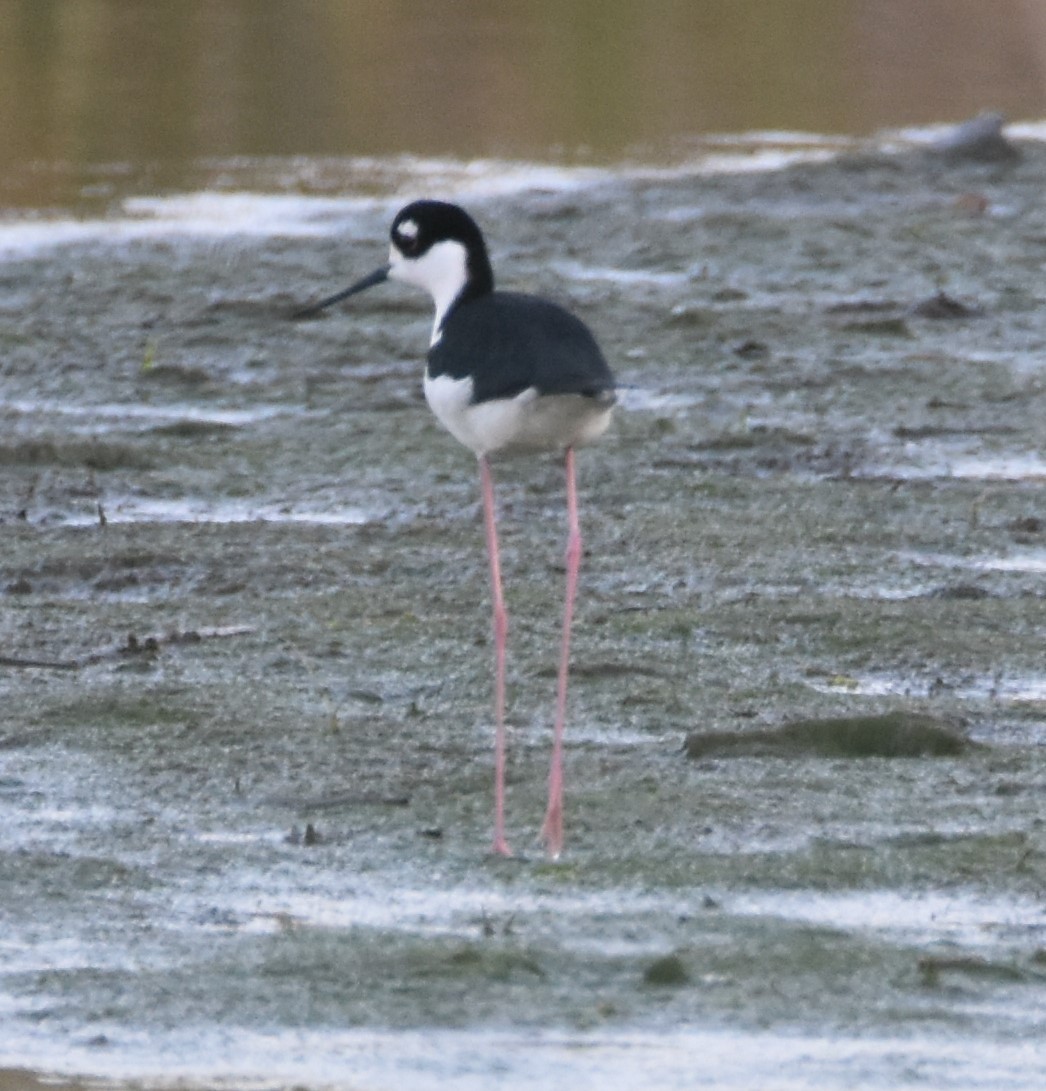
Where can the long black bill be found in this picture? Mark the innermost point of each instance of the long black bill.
(377, 277)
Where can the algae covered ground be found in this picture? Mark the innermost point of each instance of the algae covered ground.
(245, 741)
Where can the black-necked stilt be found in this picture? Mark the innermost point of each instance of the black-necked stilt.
(506, 372)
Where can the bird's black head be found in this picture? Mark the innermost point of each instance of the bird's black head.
(435, 246)
(424, 225)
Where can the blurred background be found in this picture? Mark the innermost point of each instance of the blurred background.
(122, 84)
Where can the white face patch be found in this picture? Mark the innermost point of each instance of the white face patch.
(442, 271)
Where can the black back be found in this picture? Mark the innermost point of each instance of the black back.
(507, 342)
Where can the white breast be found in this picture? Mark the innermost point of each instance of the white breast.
(526, 422)
(450, 399)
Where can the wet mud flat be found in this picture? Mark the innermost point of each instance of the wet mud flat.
(245, 719)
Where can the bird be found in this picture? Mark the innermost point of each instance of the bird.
(506, 373)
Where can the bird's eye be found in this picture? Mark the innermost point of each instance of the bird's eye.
(407, 238)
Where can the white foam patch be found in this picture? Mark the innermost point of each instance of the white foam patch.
(381, 185)
(190, 509)
(1032, 561)
(932, 460)
(422, 910)
(956, 918)
(194, 215)
(574, 270)
(1013, 689)
(429, 1059)
(107, 414)
(641, 399)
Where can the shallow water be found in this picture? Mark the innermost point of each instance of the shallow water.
(104, 99)
(782, 523)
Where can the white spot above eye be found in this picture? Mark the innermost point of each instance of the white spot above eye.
(408, 229)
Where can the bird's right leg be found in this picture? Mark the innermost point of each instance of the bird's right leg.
(500, 639)
(552, 828)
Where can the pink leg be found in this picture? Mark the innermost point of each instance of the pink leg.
(552, 829)
(500, 635)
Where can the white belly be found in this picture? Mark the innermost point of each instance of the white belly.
(527, 422)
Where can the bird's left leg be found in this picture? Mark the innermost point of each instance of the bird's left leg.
(500, 619)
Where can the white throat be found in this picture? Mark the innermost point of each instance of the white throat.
(442, 271)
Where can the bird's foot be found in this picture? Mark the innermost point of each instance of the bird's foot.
(500, 847)
(551, 835)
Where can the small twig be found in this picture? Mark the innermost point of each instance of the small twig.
(339, 800)
(51, 664)
(23, 512)
(132, 646)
